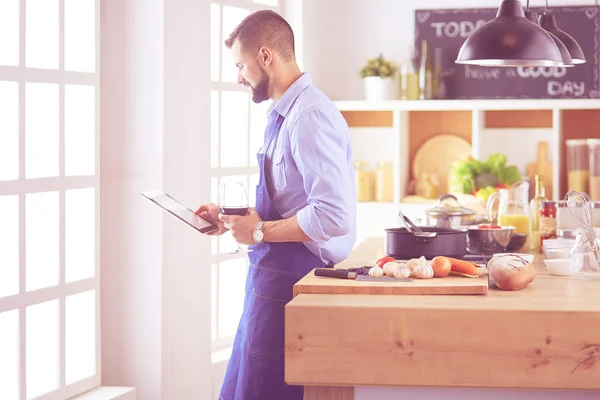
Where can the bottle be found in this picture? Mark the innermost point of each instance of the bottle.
(438, 84)
(425, 73)
(535, 213)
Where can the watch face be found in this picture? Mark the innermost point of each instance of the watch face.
(258, 236)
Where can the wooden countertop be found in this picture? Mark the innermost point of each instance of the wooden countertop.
(544, 336)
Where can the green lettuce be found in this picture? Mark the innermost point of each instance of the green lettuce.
(469, 174)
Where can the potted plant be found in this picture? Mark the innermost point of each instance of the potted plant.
(379, 76)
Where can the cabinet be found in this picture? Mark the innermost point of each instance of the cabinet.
(512, 127)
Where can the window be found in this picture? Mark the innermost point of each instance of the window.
(49, 211)
(234, 119)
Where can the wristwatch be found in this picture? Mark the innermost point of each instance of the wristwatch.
(258, 234)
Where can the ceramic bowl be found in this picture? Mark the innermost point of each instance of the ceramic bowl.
(558, 253)
(558, 266)
(525, 256)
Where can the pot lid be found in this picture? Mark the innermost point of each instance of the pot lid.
(449, 210)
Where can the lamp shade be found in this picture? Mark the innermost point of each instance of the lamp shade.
(564, 52)
(548, 22)
(510, 40)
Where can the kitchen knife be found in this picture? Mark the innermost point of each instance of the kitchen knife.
(335, 273)
(345, 274)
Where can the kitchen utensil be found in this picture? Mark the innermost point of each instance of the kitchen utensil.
(414, 229)
(541, 166)
(435, 286)
(488, 241)
(401, 243)
(447, 215)
(436, 156)
(345, 274)
(516, 242)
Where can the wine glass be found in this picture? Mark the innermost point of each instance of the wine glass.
(233, 200)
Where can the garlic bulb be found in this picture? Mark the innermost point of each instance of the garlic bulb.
(412, 263)
(423, 270)
(402, 272)
(390, 268)
(375, 271)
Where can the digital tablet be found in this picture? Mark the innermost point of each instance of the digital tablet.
(178, 210)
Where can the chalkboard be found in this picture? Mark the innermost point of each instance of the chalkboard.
(447, 29)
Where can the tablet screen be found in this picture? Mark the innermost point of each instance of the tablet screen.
(178, 210)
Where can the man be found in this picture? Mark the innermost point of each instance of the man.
(305, 214)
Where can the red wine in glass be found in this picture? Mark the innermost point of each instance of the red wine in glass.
(233, 200)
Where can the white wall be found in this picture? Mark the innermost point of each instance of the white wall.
(339, 35)
(155, 118)
(131, 234)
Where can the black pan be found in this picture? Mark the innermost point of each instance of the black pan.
(403, 244)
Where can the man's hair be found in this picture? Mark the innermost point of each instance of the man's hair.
(264, 28)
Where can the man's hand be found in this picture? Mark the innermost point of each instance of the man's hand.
(210, 212)
(242, 227)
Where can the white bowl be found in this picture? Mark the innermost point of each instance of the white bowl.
(558, 266)
(559, 253)
(525, 256)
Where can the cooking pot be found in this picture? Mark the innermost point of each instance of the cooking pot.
(449, 216)
(403, 244)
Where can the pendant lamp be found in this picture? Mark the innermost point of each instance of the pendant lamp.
(548, 22)
(510, 40)
(564, 52)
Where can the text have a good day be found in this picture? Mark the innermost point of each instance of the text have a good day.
(553, 85)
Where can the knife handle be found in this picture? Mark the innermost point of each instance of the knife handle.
(334, 273)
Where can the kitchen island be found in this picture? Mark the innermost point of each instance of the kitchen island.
(376, 347)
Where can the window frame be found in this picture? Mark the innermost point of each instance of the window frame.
(22, 186)
(220, 343)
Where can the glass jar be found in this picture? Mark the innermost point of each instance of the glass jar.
(578, 165)
(384, 182)
(584, 259)
(564, 220)
(594, 146)
(428, 185)
(409, 83)
(364, 181)
(547, 221)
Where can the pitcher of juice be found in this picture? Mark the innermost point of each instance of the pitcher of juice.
(513, 209)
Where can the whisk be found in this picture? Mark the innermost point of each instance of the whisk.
(579, 205)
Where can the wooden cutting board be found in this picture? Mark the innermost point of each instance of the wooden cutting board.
(541, 167)
(440, 286)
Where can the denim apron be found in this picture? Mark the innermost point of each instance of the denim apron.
(256, 368)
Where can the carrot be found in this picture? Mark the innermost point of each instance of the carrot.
(441, 266)
(465, 267)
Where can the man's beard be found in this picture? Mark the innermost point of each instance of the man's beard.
(260, 92)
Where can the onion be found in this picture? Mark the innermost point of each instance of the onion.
(510, 272)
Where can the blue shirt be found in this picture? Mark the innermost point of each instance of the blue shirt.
(309, 170)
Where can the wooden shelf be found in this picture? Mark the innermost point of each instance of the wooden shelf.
(455, 105)
(477, 121)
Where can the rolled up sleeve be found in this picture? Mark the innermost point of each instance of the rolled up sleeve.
(320, 148)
